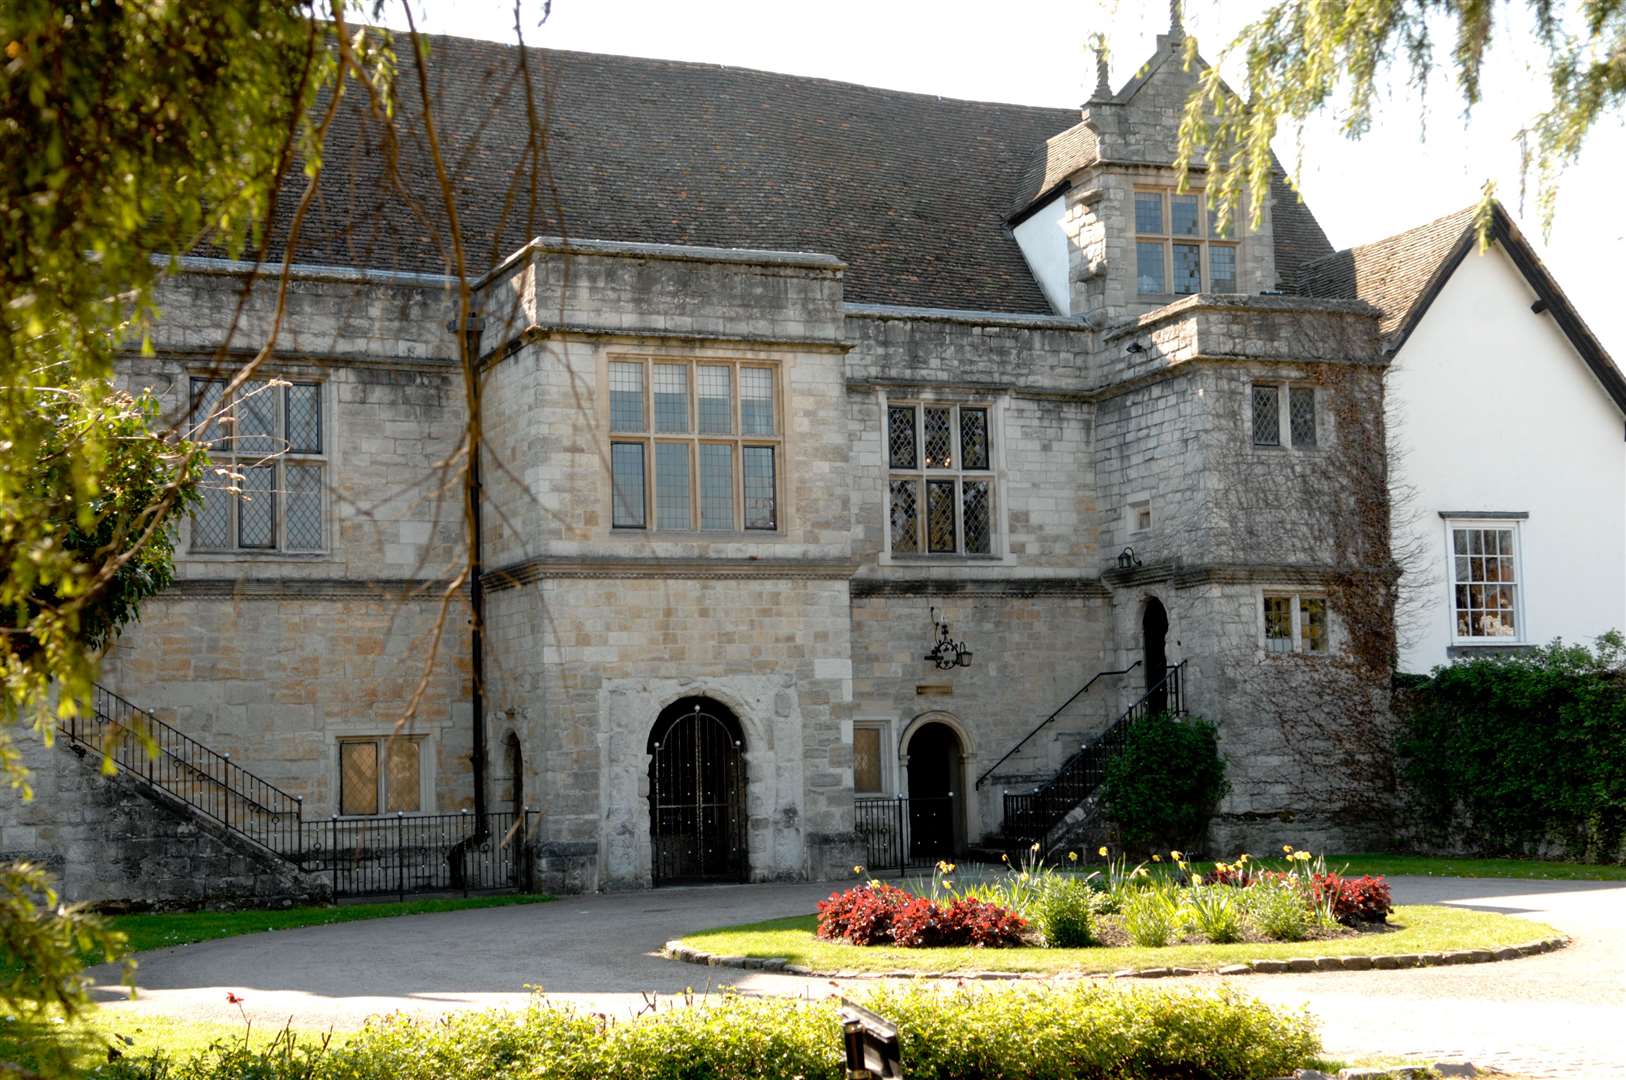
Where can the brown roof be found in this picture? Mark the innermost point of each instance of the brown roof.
(1392, 274)
(912, 191)
(1402, 275)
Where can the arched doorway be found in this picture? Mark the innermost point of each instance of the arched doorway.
(936, 785)
(697, 793)
(1154, 626)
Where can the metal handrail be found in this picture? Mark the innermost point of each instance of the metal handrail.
(1076, 695)
(1082, 773)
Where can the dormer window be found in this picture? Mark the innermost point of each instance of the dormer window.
(1179, 247)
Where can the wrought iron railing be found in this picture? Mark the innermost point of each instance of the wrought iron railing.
(1046, 721)
(420, 853)
(360, 856)
(139, 743)
(900, 832)
(1030, 816)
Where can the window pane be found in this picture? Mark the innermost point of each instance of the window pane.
(900, 436)
(1485, 597)
(672, 397)
(358, 778)
(1222, 268)
(1148, 212)
(206, 398)
(977, 512)
(973, 438)
(1267, 419)
(304, 418)
(1188, 270)
(673, 494)
(716, 386)
(1214, 228)
(257, 420)
(866, 760)
(756, 401)
(716, 486)
(1183, 214)
(403, 793)
(211, 525)
(257, 508)
(1279, 624)
(1149, 269)
(940, 516)
(1301, 415)
(627, 479)
(1313, 624)
(303, 506)
(905, 517)
(627, 397)
(761, 499)
(939, 438)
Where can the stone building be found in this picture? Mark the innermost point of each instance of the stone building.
(796, 372)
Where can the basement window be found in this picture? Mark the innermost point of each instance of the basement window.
(381, 775)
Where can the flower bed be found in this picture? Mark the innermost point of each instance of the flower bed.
(1152, 905)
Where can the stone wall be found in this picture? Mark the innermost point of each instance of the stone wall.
(110, 842)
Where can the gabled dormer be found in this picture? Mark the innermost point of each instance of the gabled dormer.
(1106, 228)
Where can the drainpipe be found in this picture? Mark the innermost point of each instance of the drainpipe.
(477, 600)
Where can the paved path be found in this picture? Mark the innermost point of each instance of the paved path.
(1560, 1014)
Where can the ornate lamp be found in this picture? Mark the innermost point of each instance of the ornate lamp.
(947, 653)
(1127, 559)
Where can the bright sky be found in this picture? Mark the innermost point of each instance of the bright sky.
(1032, 52)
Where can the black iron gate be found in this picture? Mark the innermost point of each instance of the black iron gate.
(697, 795)
(901, 834)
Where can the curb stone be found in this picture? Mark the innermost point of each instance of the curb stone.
(676, 950)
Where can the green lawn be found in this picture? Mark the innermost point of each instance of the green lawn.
(1429, 866)
(1419, 929)
(183, 928)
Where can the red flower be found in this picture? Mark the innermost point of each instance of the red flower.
(233, 999)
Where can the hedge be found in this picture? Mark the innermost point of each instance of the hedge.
(975, 1032)
(1520, 754)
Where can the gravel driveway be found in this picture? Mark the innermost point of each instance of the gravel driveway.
(1559, 1014)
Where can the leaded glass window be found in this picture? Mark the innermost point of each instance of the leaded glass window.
(1485, 581)
(1301, 415)
(940, 492)
(694, 446)
(867, 760)
(381, 775)
(1278, 624)
(1179, 247)
(265, 487)
(1267, 416)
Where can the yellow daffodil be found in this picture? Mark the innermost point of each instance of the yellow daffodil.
(1157, 858)
(1176, 855)
(1072, 856)
(1023, 876)
(1103, 851)
(1141, 871)
(1004, 858)
(1287, 849)
(1196, 879)
(1035, 846)
(1242, 858)
(858, 870)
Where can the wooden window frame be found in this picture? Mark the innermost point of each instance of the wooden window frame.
(694, 439)
(1520, 635)
(1296, 599)
(381, 778)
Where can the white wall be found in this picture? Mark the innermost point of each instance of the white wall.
(1493, 410)
(1044, 244)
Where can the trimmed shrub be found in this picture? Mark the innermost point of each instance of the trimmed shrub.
(882, 914)
(1522, 754)
(1064, 913)
(1046, 1033)
(862, 915)
(1161, 788)
(1353, 900)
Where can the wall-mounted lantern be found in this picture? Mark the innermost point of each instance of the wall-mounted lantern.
(1127, 559)
(947, 653)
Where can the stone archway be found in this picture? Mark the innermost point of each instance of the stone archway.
(697, 789)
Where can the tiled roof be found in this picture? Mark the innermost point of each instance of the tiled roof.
(1298, 235)
(1393, 274)
(912, 191)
